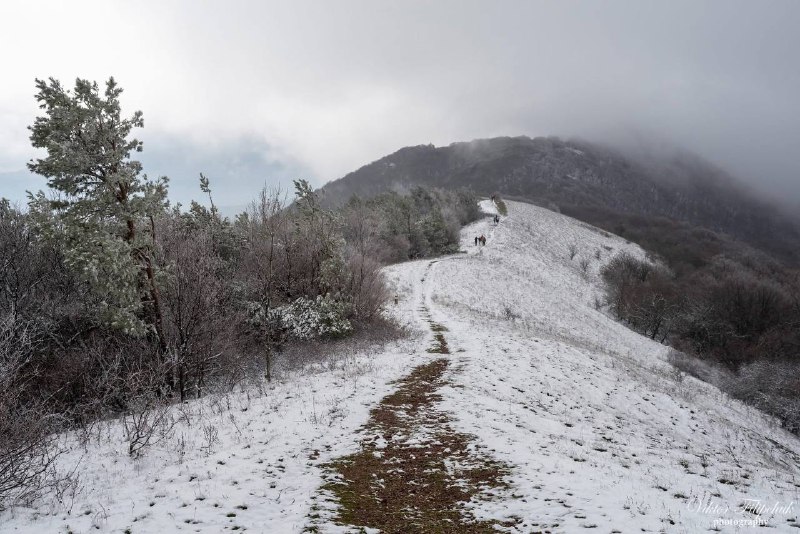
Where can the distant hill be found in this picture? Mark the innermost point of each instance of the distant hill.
(584, 179)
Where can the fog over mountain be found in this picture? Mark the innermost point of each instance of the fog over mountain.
(320, 88)
(597, 184)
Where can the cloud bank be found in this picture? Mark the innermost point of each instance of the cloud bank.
(257, 92)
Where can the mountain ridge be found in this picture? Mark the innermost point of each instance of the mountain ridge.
(574, 173)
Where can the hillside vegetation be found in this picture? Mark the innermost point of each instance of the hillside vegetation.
(733, 311)
(113, 303)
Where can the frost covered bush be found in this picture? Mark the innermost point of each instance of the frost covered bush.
(307, 318)
(420, 223)
(303, 319)
(772, 387)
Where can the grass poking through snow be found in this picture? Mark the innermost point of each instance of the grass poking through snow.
(414, 473)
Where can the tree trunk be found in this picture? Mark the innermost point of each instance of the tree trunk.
(181, 385)
(268, 363)
(158, 317)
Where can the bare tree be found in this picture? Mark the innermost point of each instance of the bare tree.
(364, 285)
(270, 258)
(199, 319)
(148, 419)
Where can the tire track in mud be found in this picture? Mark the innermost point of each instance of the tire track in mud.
(414, 473)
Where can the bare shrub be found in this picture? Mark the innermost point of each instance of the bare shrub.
(148, 418)
(572, 250)
(366, 286)
(502, 209)
(200, 320)
(693, 366)
(642, 295)
(210, 438)
(708, 371)
(28, 446)
(509, 314)
(584, 265)
(381, 331)
(148, 422)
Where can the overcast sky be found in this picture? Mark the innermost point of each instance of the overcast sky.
(254, 92)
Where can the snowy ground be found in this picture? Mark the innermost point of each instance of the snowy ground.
(599, 431)
(246, 461)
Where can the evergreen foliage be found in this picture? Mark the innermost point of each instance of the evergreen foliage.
(103, 203)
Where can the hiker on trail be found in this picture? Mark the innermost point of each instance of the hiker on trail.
(476, 241)
(496, 219)
(483, 239)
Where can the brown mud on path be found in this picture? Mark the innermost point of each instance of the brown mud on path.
(414, 472)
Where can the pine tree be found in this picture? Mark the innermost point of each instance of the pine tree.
(103, 215)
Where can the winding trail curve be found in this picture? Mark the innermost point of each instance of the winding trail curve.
(414, 472)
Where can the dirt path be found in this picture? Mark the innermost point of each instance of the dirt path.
(414, 473)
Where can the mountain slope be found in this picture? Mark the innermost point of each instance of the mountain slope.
(578, 174)
(596, 429)
(601, 430)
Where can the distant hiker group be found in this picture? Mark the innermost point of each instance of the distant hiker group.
(481, 239)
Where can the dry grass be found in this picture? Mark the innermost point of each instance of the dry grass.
(440, 344)
(400, 485)
(371, 337)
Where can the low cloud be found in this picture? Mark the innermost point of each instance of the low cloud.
(321, 88)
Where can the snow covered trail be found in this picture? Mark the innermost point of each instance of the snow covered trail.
(413, 472)
(599, 430)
